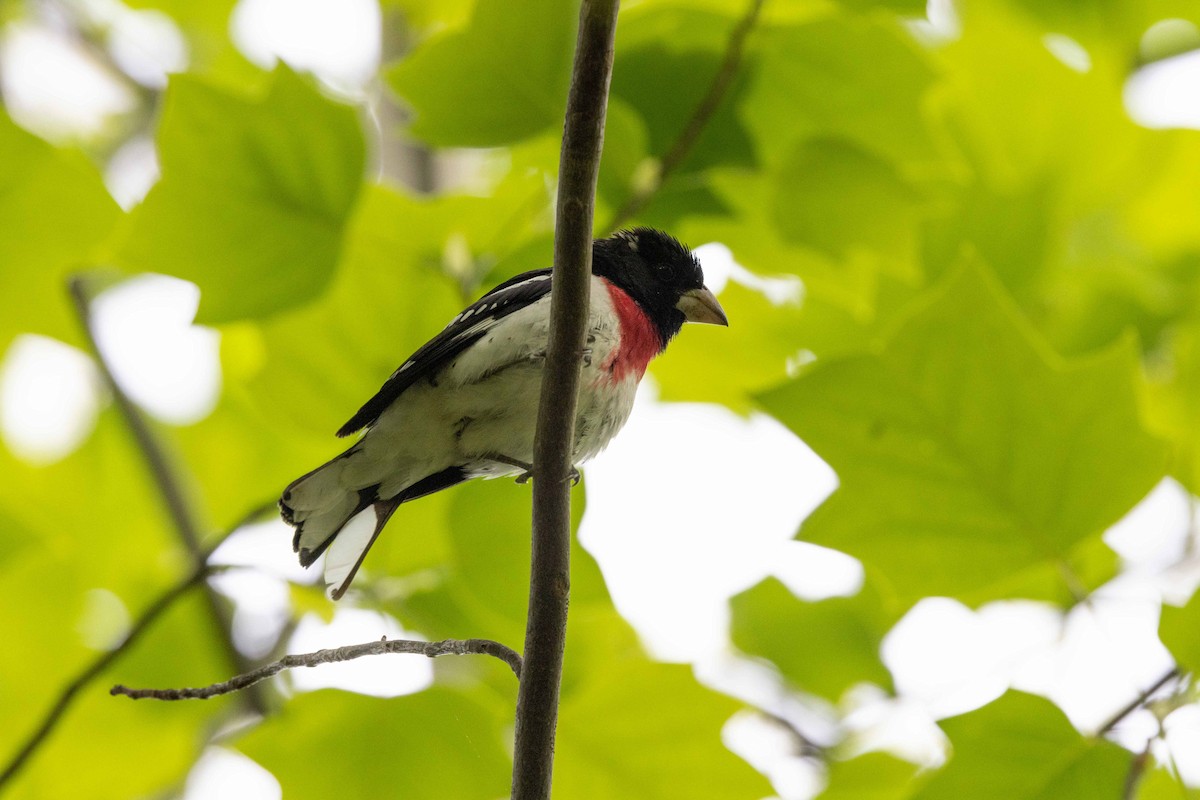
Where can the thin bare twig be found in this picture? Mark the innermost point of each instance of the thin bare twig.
(446, 647)
(1137, 768)
(164, 473)
(802, 745)
(550, 567)
(92, 671)
(1137, 702)
(704, 111)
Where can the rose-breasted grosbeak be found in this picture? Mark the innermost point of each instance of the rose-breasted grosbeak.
(465, 404)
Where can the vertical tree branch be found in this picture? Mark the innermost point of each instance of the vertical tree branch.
(170, 487)
(549, 584)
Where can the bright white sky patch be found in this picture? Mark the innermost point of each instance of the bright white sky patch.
(166, 365)
(952, 660)
(338, 40)
(223, 774)
(1155, 532)
(50, 395)
(719, 268)
(1109, 653)
(52, 88)
(266, 547)
(717, 262)
(689, 505)
(941, 23)
(381, 676)
(900, 726)
(262, 609)
(146, 44)
(813, 572)
(131, 171)
(1163, 95)
(770, 749)
(1183, 739)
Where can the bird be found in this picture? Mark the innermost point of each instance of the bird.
(464, 405)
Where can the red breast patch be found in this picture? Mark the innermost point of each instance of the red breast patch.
(639, 337)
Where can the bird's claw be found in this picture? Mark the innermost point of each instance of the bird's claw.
(524, 477)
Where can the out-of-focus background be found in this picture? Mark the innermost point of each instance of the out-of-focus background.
(958, 246)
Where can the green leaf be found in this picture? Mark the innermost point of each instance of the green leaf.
(625, 155)
(93, 529)
(706, 363)
(646, 730)
(803, 638)
(1088, 565)
(490, 533)
(1038, 119)
(485, 580)
(95, 517)
(14, 537)
(491, 83)
(1010, 228)
(872, 776)
(254, 197)
(437, 743)
(1022, 747)
(207, 27)
(56, 215)
(822, 179)
(852, 78)
(389, 296)
(104, 739)
(914, 8)
(421, 16)
(1174, 402)
(1106, 25)
(1168, 185)
(1081, 212)
(1159, 784)
(966, 453)
(849, 287)
(683, 48)
(1179, 630)
(293, 379)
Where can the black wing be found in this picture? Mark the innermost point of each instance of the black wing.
(462, 332)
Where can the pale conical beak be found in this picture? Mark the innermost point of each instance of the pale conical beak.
(700, 305)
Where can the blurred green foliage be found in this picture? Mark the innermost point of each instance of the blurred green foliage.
(997, 348)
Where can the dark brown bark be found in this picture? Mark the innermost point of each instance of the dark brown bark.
(549, 586)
